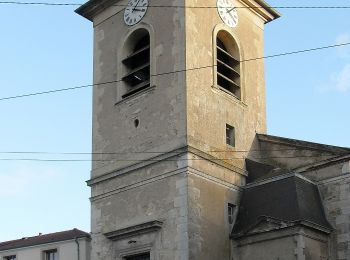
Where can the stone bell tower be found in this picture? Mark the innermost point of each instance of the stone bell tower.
(175, 105)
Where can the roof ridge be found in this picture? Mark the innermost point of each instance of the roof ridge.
(297, 197)
(43, 239)
(320, 164)
(336, 150)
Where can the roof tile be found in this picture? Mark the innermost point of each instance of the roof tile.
(43, 239)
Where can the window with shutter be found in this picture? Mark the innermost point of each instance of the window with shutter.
(137, 63)
(228, 64)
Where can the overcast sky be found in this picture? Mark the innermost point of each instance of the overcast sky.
(45, 48)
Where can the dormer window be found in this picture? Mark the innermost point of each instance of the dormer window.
(136, 63)
(228, 64)
(10, 257)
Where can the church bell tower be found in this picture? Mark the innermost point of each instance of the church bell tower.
(178, 98)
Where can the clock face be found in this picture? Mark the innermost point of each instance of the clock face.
(135, 11)
(228, 12)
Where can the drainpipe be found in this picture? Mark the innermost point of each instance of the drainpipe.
(78, 248)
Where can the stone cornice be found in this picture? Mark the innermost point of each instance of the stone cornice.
(167, 156)
(143, 228)
(94, 7)
(264, 10)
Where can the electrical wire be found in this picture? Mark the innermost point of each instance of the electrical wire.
(39, 3)
(157, 160)
(177, 6)
(58, 90)
(161, 152)
(174, 72)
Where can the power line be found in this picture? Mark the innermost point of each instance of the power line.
(157, 160)
(299, 51)
(177, 6)
(158, 152)
(46, 92)
(246, 7)
(174, 72)
(58, 90)
(38, 3)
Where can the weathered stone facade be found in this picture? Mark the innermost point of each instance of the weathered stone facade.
(163, 169)
(327, 167)
(335, 191)
(166, 183)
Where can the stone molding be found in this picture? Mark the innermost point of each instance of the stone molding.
(94, 7)
(143, 228)
(167, 156)
(263, 9)
(288, 231)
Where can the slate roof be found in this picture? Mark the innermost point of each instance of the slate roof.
(43, 239)
(288, 198)
(259, 171)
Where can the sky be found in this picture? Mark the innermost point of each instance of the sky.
(50, 47)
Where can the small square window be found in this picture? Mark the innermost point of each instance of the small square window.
(144, 256)
(10, 257)
(51, 254)
(230, 135)
(230, 213)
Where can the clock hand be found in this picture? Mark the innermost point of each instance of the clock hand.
(135, 6)
(139, 10)
(230, 10)
(230, 14)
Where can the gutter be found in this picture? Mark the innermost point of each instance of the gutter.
(78, 248)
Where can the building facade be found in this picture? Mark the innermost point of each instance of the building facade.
(295, 204)
(178, 100)
(66, 245)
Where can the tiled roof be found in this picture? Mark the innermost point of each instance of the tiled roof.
(43, 239)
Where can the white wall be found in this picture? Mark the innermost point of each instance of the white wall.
(67, 250)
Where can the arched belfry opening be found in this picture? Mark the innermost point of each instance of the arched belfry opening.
(136, 62)
(228, 63)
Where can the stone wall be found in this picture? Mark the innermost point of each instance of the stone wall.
(335, 192)
(293, 243)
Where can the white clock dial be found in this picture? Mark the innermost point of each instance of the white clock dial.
(228, 12)
(135, 11)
